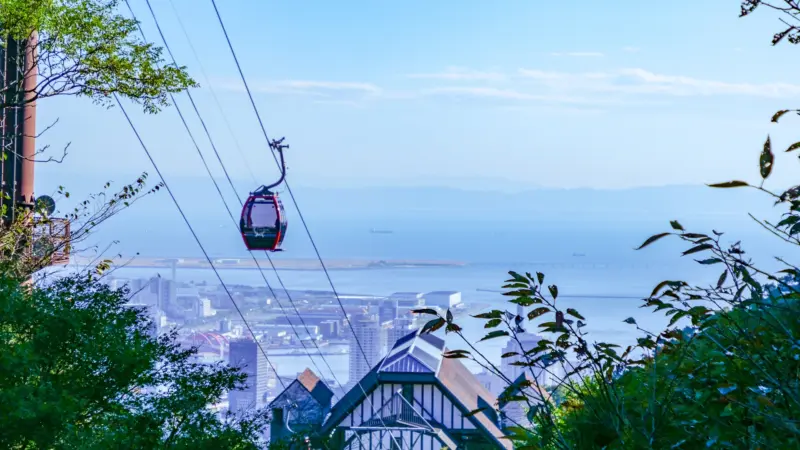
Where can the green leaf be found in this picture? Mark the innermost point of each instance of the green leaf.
(575, 314)
(793, 147)
(492, 323)
(540, 277)
(729, 184)
(677, 317)
(766, 160)
(517, 277)
(652, 239)
(722, 279)
(707, 262)
(475, 411)
(433, 325)
(429, 311)
(630, 320)
(494, 334)
(538, 312)
(454, 354)
(698, 248)
(676, 225)
(524, 301)
(789, 220)
(663, 284)
(778, 115)
(449, 316)
(553, 291)
(494, 314)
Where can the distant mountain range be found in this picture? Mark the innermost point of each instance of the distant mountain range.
(645, 204)
(335, 215)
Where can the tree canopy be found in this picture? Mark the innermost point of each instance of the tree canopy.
(81, 369)
(87, 48)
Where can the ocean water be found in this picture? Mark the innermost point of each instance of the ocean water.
(605, 284)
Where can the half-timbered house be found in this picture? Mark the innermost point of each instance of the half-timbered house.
(416, 399)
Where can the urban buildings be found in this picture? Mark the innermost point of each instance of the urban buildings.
(399, 329)
(365, 346)
(387, 310)
(245, 354)
(407, 301)
(443, 299)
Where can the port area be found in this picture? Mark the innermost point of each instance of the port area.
(144, 262)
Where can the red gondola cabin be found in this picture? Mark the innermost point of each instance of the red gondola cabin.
(263, 222)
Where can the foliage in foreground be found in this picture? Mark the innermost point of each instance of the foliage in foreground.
(80, 369)
(87, 48)
(723, 374)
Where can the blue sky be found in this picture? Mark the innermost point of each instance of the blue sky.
(557, 94)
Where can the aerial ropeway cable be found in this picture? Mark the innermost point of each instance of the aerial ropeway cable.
(263, 220)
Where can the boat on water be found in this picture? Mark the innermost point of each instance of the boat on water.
(378, 231)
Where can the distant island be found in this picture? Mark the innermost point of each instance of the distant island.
(141, 262)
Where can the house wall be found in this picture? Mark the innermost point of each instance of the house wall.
(429, 402)
(400, 439)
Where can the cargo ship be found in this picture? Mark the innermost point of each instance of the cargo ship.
(377, 231)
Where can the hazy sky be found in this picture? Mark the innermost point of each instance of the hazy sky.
(560, 94)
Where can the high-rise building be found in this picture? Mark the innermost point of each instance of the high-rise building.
(528, 341)
(401, 327)
(225, 325)
(387, 310)
(443, 299)
(329, 329)
(245, 354)
(367, 330)
(164, 290)
(407, 302)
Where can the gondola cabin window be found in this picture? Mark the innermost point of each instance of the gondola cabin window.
(263, 214)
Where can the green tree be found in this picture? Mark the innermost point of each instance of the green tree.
(83, 48)
(86, 48)
(80, 369)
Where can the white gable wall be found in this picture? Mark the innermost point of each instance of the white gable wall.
(429, 402)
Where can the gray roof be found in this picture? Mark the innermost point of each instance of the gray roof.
(311, 383)
(414, 354)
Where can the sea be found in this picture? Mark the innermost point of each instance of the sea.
(595, 266)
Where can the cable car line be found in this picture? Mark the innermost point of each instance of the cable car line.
(219, 191)
(297, 207)
(288, 188)
(194, 234)
(210, 87)
(275, 144)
